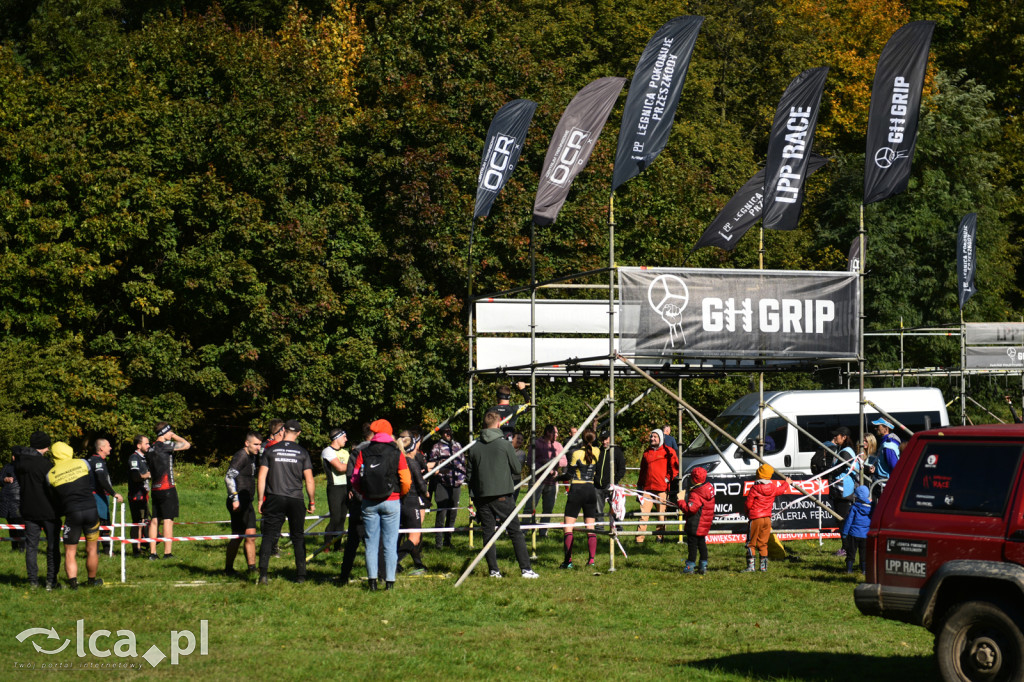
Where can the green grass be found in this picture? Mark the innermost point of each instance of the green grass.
(647, 619)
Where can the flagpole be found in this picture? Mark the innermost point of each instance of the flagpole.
(611, 370)
(862, 236)
(963, 364)
(470, 336)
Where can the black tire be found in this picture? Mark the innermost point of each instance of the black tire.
(980, 642)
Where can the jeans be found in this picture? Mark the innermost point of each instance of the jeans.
(447, 499)
(381, 519)
(32, 534)
(546, 496)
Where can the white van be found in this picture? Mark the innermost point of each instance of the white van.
(820, 412)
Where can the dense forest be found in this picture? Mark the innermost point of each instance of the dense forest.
(219, 213)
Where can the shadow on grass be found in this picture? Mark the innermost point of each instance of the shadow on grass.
(837, 667)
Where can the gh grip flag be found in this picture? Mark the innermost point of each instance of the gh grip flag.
(742, 211)
(572, 143)
(653, 97)
(501, 151)
(789, 149)
(895, 104)
(965, 257)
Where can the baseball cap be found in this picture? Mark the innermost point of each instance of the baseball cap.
(293, 425)
(841, 431)
(883, 422)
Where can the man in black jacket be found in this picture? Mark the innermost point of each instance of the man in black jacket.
(39, 509)
(611, 467)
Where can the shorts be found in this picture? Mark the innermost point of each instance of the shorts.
(81, 522)
(165, 504)
(243, 518)
(582, 496)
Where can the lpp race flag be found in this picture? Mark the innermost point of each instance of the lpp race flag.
(966, 261)
(789, 149)
(742, 211)
(572, 143)
(895, 105)
(502, 148)
(654, 96)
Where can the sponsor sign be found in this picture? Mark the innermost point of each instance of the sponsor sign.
(906, 546)
(730, 505)
(769, 314)
(501, 151)
(966, 260)
(907, 568)
(995, 333)
(988, 357)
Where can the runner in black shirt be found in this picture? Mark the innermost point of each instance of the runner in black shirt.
(505, 409)
(241, 484)
(102, 490)
(284, 468)
(165, 495)
(138, 492)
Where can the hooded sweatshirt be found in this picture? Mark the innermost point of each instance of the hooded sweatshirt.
(659, 466)
(761, 497)
(492, 468)
(859, 519)
(37, 499)
(701, 500)
(71, 479)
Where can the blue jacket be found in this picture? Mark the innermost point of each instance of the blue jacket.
(859, 518)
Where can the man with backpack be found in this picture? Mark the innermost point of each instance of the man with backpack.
(381, 476)
(39, 508)
(285, 466)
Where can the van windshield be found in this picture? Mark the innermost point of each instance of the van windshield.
(732, 424)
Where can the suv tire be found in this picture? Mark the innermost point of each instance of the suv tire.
(978, 641)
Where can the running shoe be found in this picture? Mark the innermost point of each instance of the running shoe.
(566, 565)
(529, 574)
(590, 563)
(417, 571)
(95, 582)
(496, 574)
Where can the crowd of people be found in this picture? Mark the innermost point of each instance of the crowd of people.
(387, 484)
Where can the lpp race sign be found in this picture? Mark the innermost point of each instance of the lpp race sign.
(770, 314)
(790, 512)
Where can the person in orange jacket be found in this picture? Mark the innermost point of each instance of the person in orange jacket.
(658, 468)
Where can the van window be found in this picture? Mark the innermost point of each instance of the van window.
(822, 426)
(732, 424)
(963, 478)
(775, 431)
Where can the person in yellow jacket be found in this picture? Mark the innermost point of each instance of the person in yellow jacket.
(72, 482)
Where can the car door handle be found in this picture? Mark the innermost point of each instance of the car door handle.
(1017, 535)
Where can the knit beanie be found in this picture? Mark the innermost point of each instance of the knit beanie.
(698, 475)
(382, 426)
(765, 471)
(39, 440)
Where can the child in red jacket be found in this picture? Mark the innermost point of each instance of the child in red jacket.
(698, 505)
(760, 501)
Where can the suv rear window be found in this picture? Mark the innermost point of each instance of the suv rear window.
(963, 478)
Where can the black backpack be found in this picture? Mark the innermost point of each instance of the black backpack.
(379, 475)
(822, 461)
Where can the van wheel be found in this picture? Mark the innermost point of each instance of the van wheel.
(980, 642)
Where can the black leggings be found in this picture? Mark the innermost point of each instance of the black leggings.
(695, 544)
(852, 545)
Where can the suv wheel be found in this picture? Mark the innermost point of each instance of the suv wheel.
(978, 641)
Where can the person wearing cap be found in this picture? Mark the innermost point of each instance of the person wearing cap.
(760, 502)
(659, 466)
(284, 468)
(888, 446)
(335, 458)
(381, 475)
(165, 495)
(844, 479)
(73, 484)
(492, 471)
(39, 508)
(240, 481)
(698, 504)
(446, 484)
(506, 409)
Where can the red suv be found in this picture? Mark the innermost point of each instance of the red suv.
(946, 549)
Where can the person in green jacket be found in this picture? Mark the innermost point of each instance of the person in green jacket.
(492, 470)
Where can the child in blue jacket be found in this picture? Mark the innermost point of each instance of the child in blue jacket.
(855, 527)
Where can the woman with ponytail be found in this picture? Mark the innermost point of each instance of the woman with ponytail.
(582, 495)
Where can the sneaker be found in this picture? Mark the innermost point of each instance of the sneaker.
(230, 572)
(566, 565)
(417, 571)
(50, 587)
(95, 582)
(840, 552)
(263, 580)
(33, 584)
(496, 574)
(299, 579)
(590, 563)
(530, 574)
(153, 557)
(276, 554)
(168, 556)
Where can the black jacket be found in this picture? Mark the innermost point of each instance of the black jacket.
(37, 499)
(618, 460)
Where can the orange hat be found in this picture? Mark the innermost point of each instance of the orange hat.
(765, 471)
(382, 426)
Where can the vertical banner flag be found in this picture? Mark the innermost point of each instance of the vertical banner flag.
(789, 149)
(965, 257)
(572, 143)
(654, 96)
(742, 211)
(895, 105)
(501, 151)
(854, 255)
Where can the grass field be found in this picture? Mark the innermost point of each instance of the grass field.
(644, 621)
